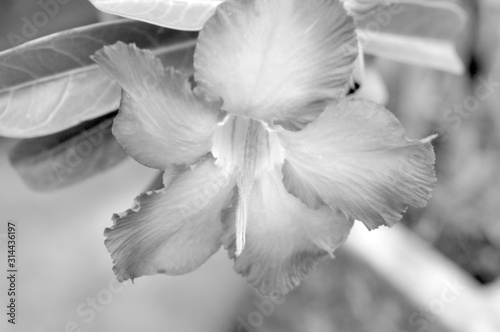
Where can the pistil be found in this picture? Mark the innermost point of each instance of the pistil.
(245, 182)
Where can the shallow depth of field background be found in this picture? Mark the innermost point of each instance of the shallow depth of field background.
(65, 277)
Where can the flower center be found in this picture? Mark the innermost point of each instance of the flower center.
(246, 147)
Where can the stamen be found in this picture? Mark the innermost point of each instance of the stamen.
(245, 183)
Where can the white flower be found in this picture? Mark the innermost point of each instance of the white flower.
(263, 155)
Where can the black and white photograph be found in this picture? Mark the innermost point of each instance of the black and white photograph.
(250, 165)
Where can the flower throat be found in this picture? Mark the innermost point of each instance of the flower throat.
(246, 146)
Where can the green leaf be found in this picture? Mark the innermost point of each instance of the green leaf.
(174, 14)
(59, 160)
(50, 84)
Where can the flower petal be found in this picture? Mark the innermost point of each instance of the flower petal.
(356, 157)
(280, 59)
(173, 230)
(284, 237)
(161, 119)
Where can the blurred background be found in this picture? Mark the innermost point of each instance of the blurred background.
(438, 270)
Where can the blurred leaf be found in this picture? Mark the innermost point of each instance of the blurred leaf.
(430, 53)
(174, 14)
(56, 161)
(51, 84)
(418, 32)
(435, 19)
